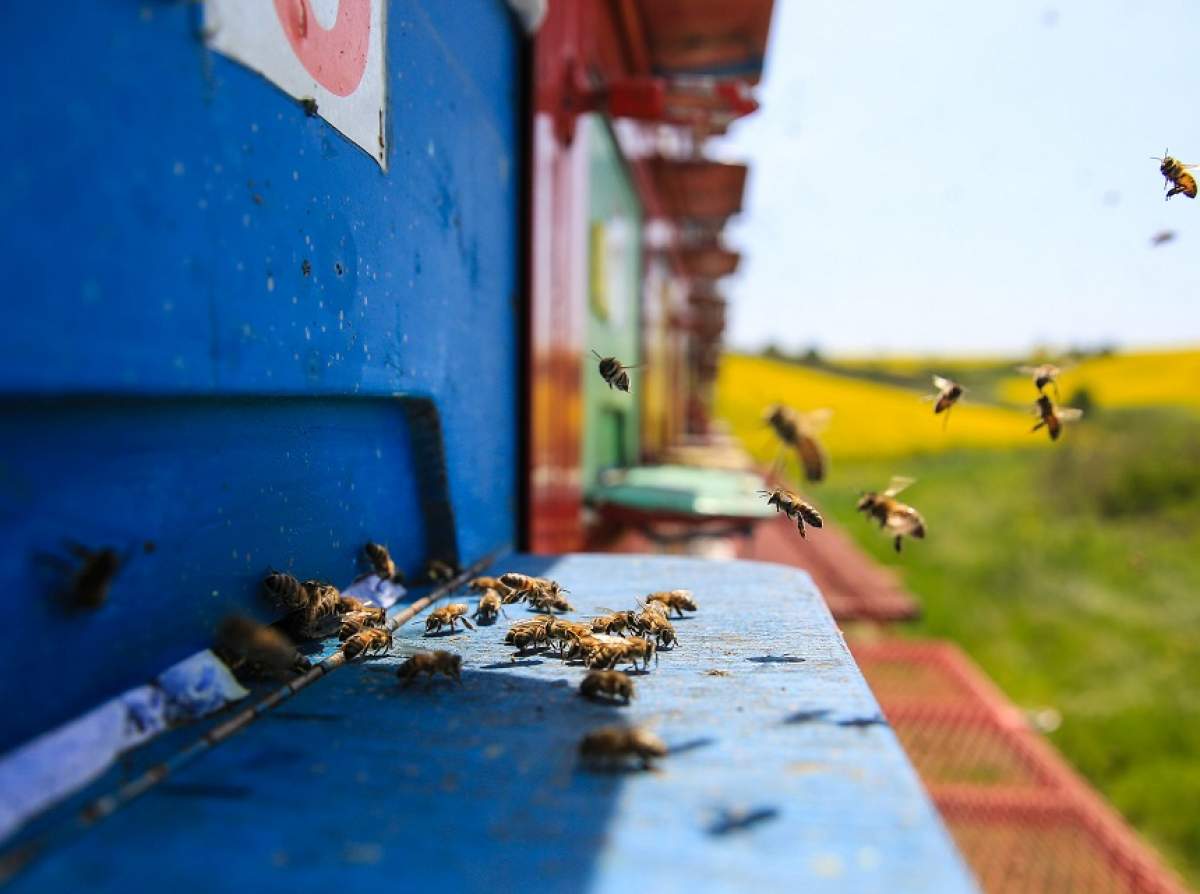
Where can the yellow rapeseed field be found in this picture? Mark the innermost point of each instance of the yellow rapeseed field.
(869, 419)
(1123, 380)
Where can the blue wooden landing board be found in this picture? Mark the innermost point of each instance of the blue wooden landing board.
(358, 782)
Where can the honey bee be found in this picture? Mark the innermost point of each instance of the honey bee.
(674, 600)
(448, 615)
(613, 746)
(597, 652)
(528, 635)
(613, 623)
(946, 396)
(1053, 416)
(286, 592)
(248, 646)
(1043, 374)
(895, 518)
(798, 432)
(1175, 173)
(614, 373)
(793, 507)
(439, 572)
(566, 632)
(490, 605)
(323, 600)
(369, 641)
(90, 582)
(351, 625)
(381, 563)
(657, 625)
(639, 647)
(439, 662)
(482, 584)
(608, 683)
(372, 614)
(521, 585)
(548, 601)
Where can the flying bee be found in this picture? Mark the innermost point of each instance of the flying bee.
(798, 432)
(88, 584)
(1053, 416)
(439, 572)
(614, 373)
(946, 396)
(895, 518)
(1043, 374)
(674, 600)
(439, 662)
(610, 747)
(381, 563)
(365, 642)
(482, 584)
(793, 507)
(448, 615)
(255, 649)
(611, 684)
(490, 605)
(286, 592)
(1175, 173)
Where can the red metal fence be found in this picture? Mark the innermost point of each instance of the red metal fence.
(1024, 820)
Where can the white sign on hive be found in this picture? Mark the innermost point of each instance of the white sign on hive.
(332, 52)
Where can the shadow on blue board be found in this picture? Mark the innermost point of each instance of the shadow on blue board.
(362, 781)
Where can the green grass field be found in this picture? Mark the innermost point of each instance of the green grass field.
(1071, 573)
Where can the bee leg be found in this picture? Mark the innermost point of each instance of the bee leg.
(1039, 425)
(469, 625)
(898, 541)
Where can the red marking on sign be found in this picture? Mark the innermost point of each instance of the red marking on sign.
(336, 57)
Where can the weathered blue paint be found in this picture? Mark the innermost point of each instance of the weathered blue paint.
(183, 249)
(357, 782)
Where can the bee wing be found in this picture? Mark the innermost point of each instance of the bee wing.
(1027, 370)
(815, 420)
(897, 484)
(942, 384)
(1069, 414)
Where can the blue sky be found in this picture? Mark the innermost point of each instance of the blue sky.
(950, 176)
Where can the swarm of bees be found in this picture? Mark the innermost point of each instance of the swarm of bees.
(898, 520)
(613, 372)
(1175, 174)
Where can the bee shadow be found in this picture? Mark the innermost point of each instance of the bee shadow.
(504, 665)
(732, 821)
(810, 716)
(690, 745)
(776, 659)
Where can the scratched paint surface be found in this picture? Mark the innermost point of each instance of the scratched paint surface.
(213, 300)
(357, 781)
